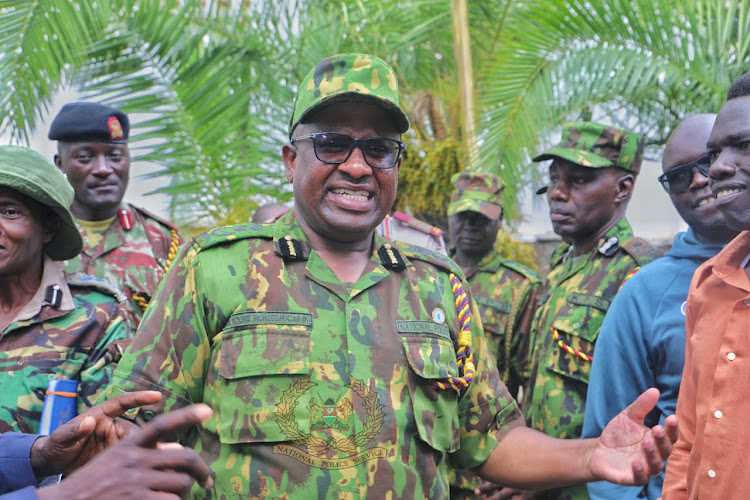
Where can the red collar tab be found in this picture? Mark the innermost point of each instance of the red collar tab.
(126, 219)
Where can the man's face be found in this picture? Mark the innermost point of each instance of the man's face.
(343, 202)
(582, 201)
(22, 233)
(473, 233)
(729, 176)
(99, 175)
(695, 204)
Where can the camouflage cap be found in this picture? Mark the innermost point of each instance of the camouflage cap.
(481, 193)
(598, 146)
(31, 174)
(348, 77)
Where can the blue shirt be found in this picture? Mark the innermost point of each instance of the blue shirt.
(17, 479)
(642, 345)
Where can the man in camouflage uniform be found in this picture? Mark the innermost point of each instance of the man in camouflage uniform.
(122, 243)
(505, 291)
(54, 325)
(337, 363)
(592, 175)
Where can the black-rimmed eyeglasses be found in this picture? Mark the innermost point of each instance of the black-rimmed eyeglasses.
(332, 148)
(679, 178)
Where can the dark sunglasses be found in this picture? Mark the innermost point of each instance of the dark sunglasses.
(679, 178)
(332, 148)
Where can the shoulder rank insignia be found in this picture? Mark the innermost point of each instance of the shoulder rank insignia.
(290, 248)
(391, 257)
(609, 247)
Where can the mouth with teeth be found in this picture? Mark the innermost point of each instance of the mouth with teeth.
(727, 192)
(705, 201)
(352, 195)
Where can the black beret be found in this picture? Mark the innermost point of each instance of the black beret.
(89, 121)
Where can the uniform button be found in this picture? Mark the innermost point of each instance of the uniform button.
(718, 414)
(731, 356)
(711, 473)
(576, 325)
(148, 415)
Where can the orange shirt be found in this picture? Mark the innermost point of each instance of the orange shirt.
(711, 458)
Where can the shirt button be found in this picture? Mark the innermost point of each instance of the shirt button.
(711, 473)
(718, 414)
(148, 415)
(731, 356)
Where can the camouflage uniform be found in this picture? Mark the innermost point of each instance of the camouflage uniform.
(134, 260)
(578, 292)
(77, 336)
(319, 388)
(505, 293)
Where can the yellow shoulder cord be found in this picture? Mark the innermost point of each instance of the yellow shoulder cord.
(464, 354)
(509, 327)
(171, 254)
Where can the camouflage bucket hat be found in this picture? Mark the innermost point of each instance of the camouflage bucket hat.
(349, 77)
(597, 146)
(31, 174)
(481, 193)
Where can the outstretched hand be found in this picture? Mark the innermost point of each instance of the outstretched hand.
(627, 452)
(76, 442)
(139, 466)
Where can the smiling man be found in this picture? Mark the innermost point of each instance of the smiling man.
(642, 341)
(710, 459)
(339, 364)
(124, 244)
(591, 179)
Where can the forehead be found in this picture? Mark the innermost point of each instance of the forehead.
(564, 167)
(74, 147)
(733, 121)
(687, 144)
(9, 195)
(356, 118)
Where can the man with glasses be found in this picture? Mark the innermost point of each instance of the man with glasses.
(340, 364)
(642, 342)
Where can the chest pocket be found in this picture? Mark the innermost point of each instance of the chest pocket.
(264, 364)
(577, 326)
(431, 356)
(495, 315)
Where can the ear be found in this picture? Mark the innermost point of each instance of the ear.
(58, 161)
(624, 188)
(289, 155)
(49, 228)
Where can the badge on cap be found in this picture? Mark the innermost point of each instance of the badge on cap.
(438, 316)
(115, 129)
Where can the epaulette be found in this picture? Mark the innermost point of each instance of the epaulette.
(641, 250)
(527, 273)
(100, 285)
(415, 252)
(150, 215)
(226, 234)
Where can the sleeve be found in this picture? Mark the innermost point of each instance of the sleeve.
(522, 336)
(620, 372)
(97, 371)
(675, 480)
(487, 411)
(171, 349)
(28, 493)
(15, 465)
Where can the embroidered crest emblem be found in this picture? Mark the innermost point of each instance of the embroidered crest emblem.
(115, 129)
(438, 316)
(330, 443)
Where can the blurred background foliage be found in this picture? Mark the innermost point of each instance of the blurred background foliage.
(212, 82)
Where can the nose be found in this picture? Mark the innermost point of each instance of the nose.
(101, 165)
(722, 167)
(355, 165)
(558, 191)
(699, 181)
